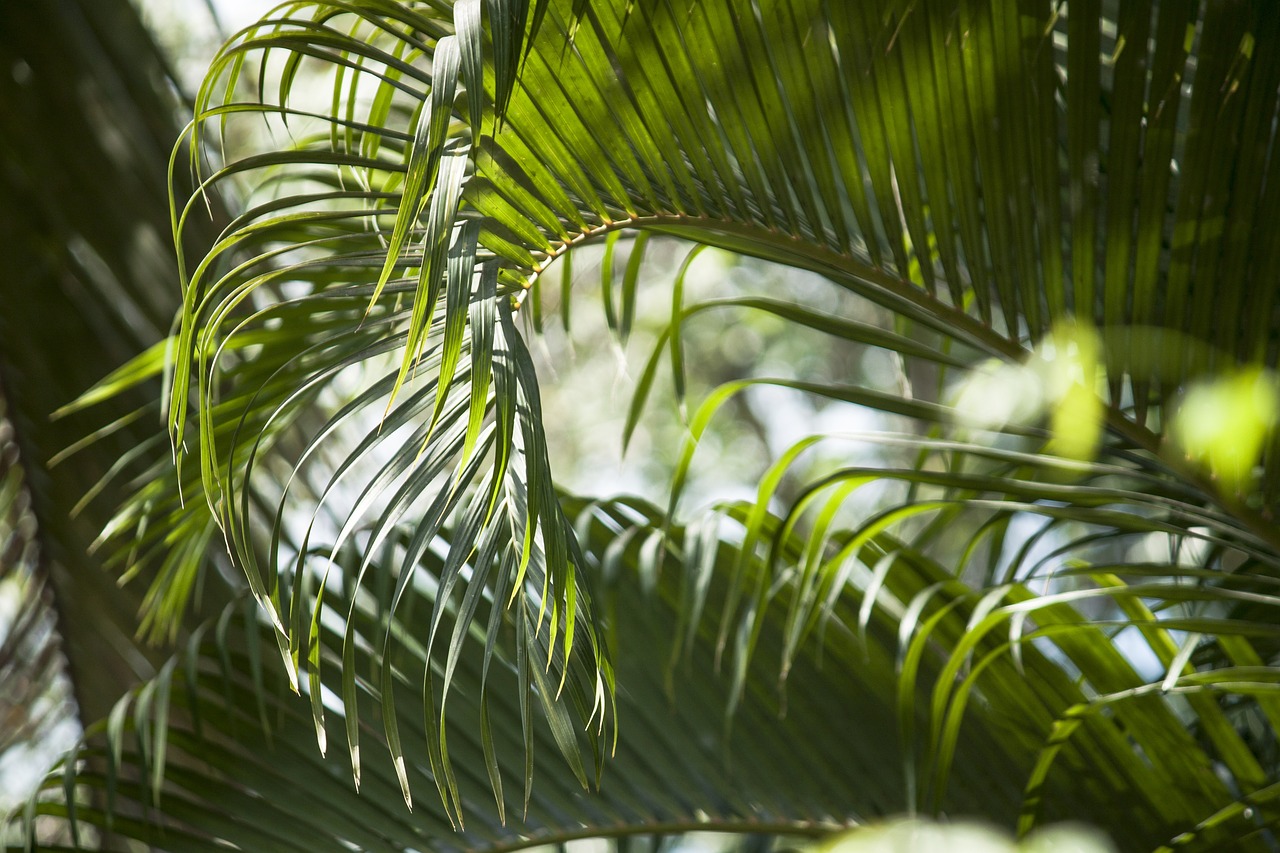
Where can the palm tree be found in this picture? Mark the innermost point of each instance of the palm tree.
(1076, 196)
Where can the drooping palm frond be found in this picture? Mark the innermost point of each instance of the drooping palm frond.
(409, 441)
(347, 356)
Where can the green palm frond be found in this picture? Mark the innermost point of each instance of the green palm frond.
(218, 747)
(347, 369)
(224, 688)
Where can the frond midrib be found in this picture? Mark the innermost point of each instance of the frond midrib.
(844, 269)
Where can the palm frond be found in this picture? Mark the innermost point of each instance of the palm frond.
(216, 749)
(347, 359)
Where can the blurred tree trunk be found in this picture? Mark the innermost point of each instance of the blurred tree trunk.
(88, 115)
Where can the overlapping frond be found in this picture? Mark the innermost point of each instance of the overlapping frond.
(218, 749)
(316, 389)
(224, 702)
(347, 362)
